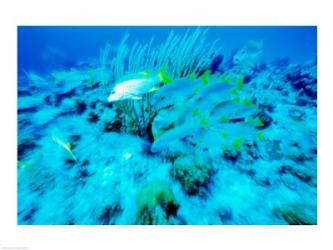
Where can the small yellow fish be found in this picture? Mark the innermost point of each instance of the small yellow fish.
(66, 146)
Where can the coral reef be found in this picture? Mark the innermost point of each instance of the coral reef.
(297, 214)
(225, 141)
(193, 173)
(156, 205)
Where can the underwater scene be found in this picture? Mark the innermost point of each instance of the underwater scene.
(167, 125)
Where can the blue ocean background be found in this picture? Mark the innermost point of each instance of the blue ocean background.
(205, 126)
(46, 47)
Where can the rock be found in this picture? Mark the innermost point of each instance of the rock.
(231, 154)
(302, 174)
(85, 163)
(108, 115)
(108, 104)
(65, 95)
(247, 168)
(75, 138)
(93, 105)
(252, 150)
(24, 147)
(302, 101)
(303, 80)
(225, 214)
(311, 91)
(71, 221)
(192, 173)
(52, 100)
(156, 205)
(28, 217)
(68, 106)
(294, 74)
(29, 102)
(297, 114)
(265, 119)
(109, 214)
(27, 110)
(296, 215)
(70, 162)
(22, 92)
(264, 182)
(247, 79)
(297, 155)
(266, 107)
(81, 107)
(273, 150)
(266, 175)
(93, 117)
(114, 126)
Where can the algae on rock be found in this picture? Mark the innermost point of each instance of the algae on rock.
(156, 205)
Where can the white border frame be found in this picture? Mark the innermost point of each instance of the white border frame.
(167, 12)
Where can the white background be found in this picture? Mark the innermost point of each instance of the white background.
(166, 12)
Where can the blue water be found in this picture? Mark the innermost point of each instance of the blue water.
(203, 126)
(72, 44)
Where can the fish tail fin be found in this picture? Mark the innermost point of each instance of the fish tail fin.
(163, 75)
